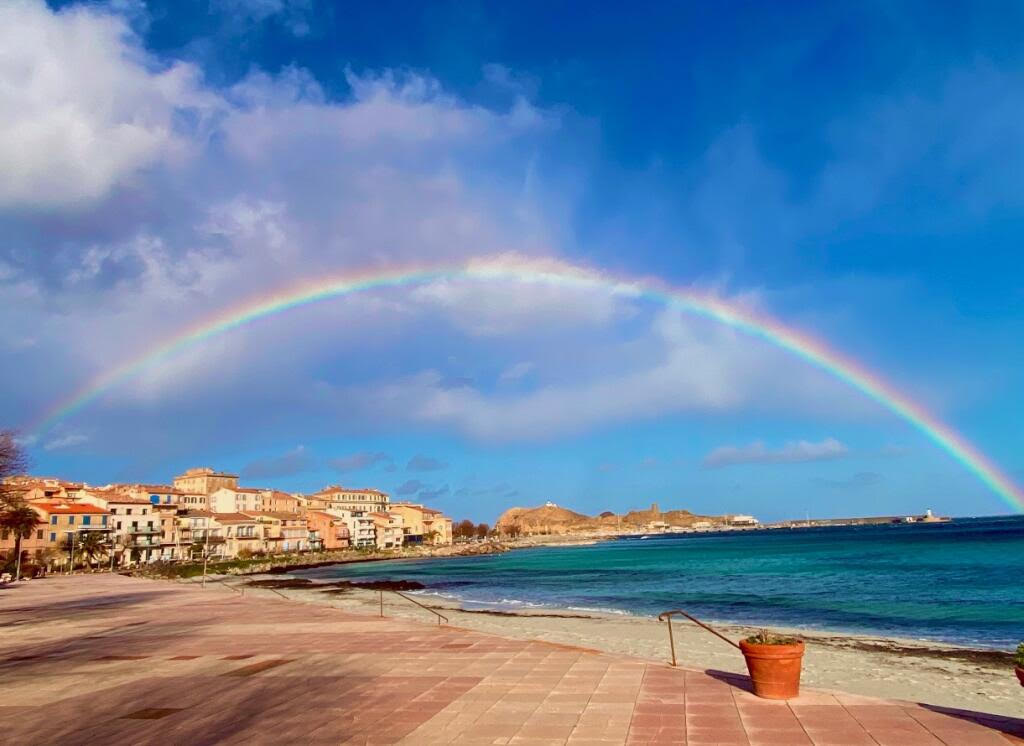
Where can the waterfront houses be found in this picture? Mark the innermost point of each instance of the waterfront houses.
(388, 530)
(423, 525)
(207, 513)
(327, 531)
(345, 498)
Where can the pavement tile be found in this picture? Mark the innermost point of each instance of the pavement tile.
(196, 666)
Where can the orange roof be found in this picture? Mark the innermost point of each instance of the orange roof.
(278, 495)
(163, 489)
(324, 515)
(73, 508)
(336, 488)
(233, 518)
(119, 499)
(279, 514)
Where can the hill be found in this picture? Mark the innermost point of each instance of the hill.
(552, 519)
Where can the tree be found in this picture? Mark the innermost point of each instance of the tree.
(463, 530)
(86, 544)
(12, 462)
(482, 530)
(21, 520)
(92, 544)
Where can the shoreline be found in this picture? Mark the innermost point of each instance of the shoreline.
(938, 673)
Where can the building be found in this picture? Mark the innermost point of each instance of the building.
(204, 481)
(236, 500)
(136, 529)
(197, 534)
(422, 525)
(59, 521)
(742, 520)
(276, 501)
(240, 532)
(346, 498)
(387, 529)
(362, 531)
(326, 531)
(282, 532)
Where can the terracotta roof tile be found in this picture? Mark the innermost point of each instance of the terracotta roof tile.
(71, 508)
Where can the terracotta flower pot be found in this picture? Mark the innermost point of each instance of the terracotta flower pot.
(774, 669)
(1020, 674)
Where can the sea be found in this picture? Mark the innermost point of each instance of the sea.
(960, 582)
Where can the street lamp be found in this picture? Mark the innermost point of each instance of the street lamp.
(72, 533)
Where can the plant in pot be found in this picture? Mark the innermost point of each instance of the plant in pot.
(1018, 659)
(774, 663)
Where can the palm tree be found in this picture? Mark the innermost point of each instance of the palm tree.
(22, 520)
(92, 544)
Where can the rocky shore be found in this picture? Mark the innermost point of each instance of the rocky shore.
(288, 563)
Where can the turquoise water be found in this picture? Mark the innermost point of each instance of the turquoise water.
(958, 582)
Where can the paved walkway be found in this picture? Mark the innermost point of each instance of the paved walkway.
(107, 659)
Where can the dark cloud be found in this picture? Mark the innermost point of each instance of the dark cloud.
(855, 482)
(296, 461)
(419, 462)
(410, 487)
(433, 494)
(360, 460)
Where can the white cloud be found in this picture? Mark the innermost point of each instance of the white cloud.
(518, 371)
(680, 365)
(510, 306)
(791, 452)
(67, 440)
(82, 109)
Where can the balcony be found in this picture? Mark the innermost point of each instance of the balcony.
(143, 530)
(139, 542)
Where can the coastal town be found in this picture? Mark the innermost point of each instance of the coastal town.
(203, 515)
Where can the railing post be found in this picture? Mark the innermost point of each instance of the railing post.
(671, 640)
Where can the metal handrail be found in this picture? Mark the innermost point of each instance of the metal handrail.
(666, 616)
(438, 614)
(224, 582)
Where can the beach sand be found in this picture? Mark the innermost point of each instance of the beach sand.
(893, 668)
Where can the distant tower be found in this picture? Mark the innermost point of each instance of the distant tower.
(654, 509)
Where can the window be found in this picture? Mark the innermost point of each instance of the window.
(71, 519)
(104, 520)
(4, 535)
(53, 520)
(39, 533)
(53, 537)
(128, 511)
(86, 520)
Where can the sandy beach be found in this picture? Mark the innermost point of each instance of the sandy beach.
(913, 670)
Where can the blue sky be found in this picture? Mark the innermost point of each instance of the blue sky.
(852, 170)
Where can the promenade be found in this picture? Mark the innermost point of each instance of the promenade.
(109, 659)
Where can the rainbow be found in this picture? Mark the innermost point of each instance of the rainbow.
(555, 273)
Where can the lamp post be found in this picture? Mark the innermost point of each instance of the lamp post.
(206, 551)
(72, 551)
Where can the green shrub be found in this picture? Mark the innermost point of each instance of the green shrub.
(765, 637)
(1018, 657)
